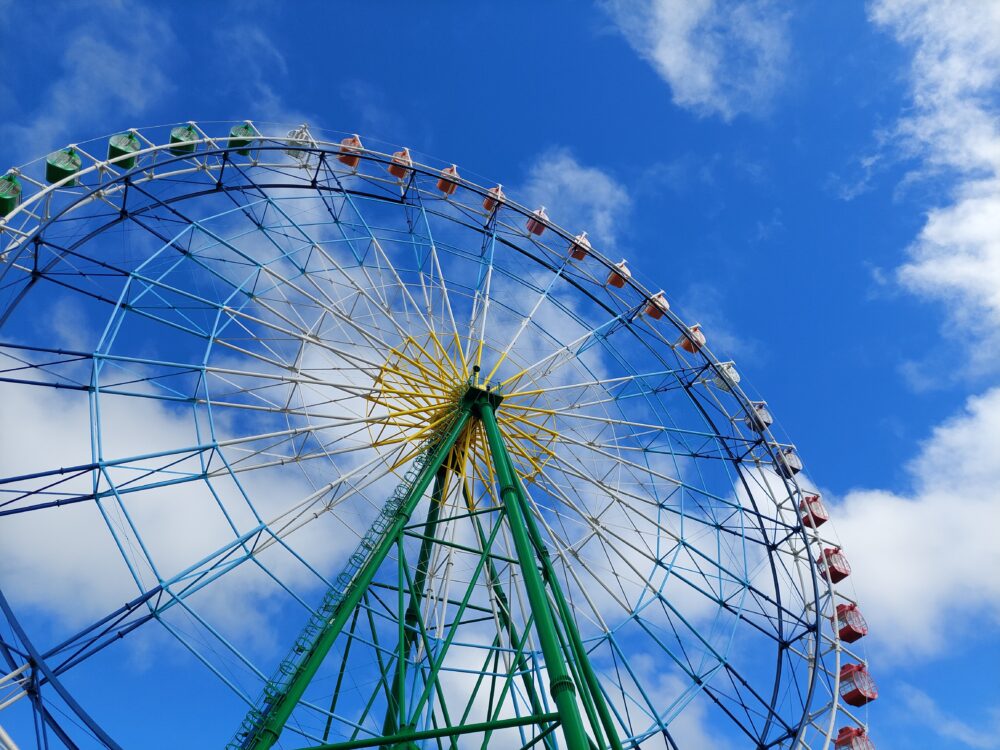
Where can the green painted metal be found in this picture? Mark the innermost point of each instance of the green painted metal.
(241, 136)
(430, 734)
(62, 164)
(569, 622)
(410, 621)
(182, 140)
(561, 685)
(571, 676)
(263, 724)
(507, 623)
(10, 193)
(120, 147)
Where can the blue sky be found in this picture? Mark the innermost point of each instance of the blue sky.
(817, 183)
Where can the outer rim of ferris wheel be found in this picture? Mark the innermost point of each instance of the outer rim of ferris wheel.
(103, 179)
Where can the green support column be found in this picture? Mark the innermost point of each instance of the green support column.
(566, 659)
(410, 622)
(282, 708)
(569, 622)
(507, 623)
(561, 684)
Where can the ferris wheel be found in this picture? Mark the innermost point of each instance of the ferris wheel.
(314, 445)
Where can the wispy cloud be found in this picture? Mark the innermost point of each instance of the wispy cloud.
(256, 69)
(112, 63)
(953, 131)
(926, 560)
(576, 196)
(720, 57)
(925, 711)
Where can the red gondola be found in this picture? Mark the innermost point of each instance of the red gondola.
(657, 306)
(619, 275)
(349, 151)
(814, 513)
(580, 247)
(853, 738)
(833, 562)
(857, 686)
(400, 165)
(850, 624)
(445, 184)
(693, 340)
(494, 197)
(536, 222)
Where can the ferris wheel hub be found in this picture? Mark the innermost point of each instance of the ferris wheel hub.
(478, 394)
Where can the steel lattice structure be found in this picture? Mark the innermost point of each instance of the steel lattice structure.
(382, 458)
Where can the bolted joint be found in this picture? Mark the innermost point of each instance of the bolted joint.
(561, 684)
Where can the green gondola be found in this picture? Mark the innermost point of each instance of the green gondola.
(182, 140)
(10, 193)
(62, 164)
(240, 138)
(120, 146)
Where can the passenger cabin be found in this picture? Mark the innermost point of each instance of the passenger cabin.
(536, 222)
(619, 275)
(446, 183)
(657, 306)
(349, 153)
(62, 164)
(853, 738)
(727, 377)
(814, 513)
(183, 140)
(241, 136)
(580, 247)
(833, 563)
(122, 147)
(850, 624)
(10, 193)
(296, 136)
(494, 197)
(759, 416)
(692, 340)
(857, 686)
(401, 164)
(787, 463)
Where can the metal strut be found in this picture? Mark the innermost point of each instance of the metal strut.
(264, 723)
(570, 673)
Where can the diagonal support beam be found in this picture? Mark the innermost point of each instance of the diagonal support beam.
(594, 696)
(561, 684)
(277, 710)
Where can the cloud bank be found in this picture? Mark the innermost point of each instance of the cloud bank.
(719, 57)
(926, 558)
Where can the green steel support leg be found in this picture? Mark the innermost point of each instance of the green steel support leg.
(279, 712)
(507, 623)
(390, 726)
(560, 682)
(569, 622)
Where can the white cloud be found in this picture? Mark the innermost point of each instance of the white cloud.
(925, 558)
(924, 710)
(953, 129)
(255, 70)
(720, 57)
(926, 561)
(111, 64)
(577, 197)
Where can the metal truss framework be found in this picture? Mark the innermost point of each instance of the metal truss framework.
(33, 255)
